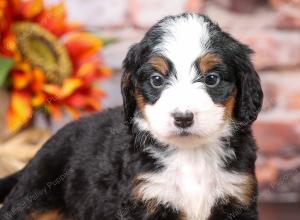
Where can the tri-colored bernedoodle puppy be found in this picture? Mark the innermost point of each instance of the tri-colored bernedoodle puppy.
(185, 150)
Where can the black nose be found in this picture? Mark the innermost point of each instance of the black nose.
(183, 119)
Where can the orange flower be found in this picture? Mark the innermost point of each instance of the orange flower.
(5, 16)
(25, 9)
(69, 86)
(55, 111)
(20, 110)
(31, 8)
(82, 46)
(31, 85)
(20, 79)
(8, 45)
(90, 71)
(38, 99)
(38, 80)
(54, 20)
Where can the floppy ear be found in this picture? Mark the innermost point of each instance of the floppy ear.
(130, 65)
(250, 95)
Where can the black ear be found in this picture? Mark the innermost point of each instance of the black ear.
(130, 65)
(250, 95)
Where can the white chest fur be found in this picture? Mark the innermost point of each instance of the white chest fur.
(191, 182)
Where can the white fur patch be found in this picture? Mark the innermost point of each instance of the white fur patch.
(185, 39)
(208, 117)
(192, 180)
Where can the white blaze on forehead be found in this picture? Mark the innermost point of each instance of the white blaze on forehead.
(185, 39)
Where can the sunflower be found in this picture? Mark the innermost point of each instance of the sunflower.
(47, 63)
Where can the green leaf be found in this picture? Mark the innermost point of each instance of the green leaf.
(106, 40)
(6, 65)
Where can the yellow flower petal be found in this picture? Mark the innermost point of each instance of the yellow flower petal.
(55, 111)
(82, 45)
(87, 68)
(94, 104)
(31, 8)
(75, 114)
(52, 90)
(20, 79)
(38, 100)
(20, 111)
(70, 85)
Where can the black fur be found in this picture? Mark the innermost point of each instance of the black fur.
(7, 183)
(237, 59)
(86, 171)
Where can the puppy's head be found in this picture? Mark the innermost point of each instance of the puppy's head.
(187, 81)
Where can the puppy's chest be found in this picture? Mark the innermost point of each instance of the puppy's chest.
(190, 185)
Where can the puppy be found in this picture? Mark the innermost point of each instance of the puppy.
(185, 150)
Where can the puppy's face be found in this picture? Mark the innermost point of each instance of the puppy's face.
(185, 101)
(184, 82)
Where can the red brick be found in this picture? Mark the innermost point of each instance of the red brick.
(240, 5)
(273, 49)
(270, 96)
(95, 13)
(281, 93)
(115, 53)
(288, 17)
(144, 13)
(238, 23)
(277, 137)
(267, 172)
(275, 171)
(293, 102)
(279, 3)
(288, 13)
(195, 5)
(284, 189)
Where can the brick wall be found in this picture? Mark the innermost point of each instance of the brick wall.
(271, 28)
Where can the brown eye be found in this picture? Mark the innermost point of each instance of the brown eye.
(212, 79)
(157, 81)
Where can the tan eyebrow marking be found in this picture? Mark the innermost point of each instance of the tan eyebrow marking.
(229, 106)
(50, 215)
(160, 64)
(139, 99)
(208, 62)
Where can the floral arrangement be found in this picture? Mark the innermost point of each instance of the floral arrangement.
(46, 62)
